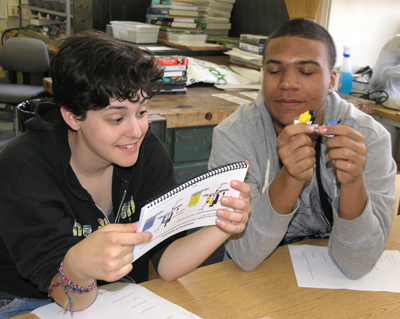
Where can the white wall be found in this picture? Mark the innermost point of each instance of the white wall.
(364, 25)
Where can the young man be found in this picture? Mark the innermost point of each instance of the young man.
(73, 185)
(304, 184)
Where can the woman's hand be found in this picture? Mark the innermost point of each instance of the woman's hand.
(105, 254)
(235, 221)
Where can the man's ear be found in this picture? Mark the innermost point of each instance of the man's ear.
(333, 79)
(71, 119)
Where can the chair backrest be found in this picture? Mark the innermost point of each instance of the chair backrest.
(25, 55)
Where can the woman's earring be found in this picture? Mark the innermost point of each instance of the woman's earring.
(330, 91)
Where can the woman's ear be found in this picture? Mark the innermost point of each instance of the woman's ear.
(71, 119)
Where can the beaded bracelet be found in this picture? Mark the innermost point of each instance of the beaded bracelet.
(68, 285)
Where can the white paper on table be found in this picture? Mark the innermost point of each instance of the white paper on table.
(314, 268)
(121, 300)
(230, 98)
(156, 48)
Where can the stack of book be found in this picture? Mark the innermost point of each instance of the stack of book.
(250, 52)
(252, 43)
(185, 37)
(214, 16)
(175, 73)
(176, 14)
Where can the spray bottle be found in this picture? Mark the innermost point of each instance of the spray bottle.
(346, 77)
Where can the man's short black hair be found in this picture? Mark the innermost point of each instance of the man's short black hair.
(308, 29)
(90, 68)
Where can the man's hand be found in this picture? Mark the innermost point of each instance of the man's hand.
(347, 152)
(296, 150)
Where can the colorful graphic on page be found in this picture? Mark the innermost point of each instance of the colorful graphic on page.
(212, 198)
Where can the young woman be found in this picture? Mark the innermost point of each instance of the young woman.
(84, 160)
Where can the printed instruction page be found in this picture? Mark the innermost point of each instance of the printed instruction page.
(314, 268)
(123, 301)
(191, 207)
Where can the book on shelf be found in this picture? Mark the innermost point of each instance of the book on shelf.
(239, 55)
(188, 20)
(253, 38)
(172, 2)
(219, 32)
(208, 25)
(159, 17)
(174, 29)
(175, 80)
(252, 48)
(175, 24)
(174, 73)
(187, 37)
(214, 12)
(214, 4)
(211, 19)
(162, 60)
(191, 204)
(170, 6)
(173, 12)
(173, 67)
(173, 91)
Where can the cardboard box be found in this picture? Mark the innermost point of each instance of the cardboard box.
(135, 32)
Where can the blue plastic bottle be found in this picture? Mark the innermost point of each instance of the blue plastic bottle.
(346, 81)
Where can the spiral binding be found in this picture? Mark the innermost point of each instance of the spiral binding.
(200, 177)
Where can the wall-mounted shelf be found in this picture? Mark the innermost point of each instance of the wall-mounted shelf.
(67, 14)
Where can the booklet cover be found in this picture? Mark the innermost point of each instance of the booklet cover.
(191, 204)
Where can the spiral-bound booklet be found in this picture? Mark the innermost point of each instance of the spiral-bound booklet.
(192, 204)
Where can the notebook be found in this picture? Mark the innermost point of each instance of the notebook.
(191, 204)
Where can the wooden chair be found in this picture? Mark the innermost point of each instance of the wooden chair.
(397, 206)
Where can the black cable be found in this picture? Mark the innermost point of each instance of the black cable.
(378, 97)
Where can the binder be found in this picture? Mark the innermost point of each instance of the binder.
(191, 204)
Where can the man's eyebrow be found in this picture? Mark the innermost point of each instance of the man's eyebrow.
(273, 62)
(305, 62)
(308, 62)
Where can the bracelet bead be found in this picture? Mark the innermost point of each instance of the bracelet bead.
(68, 285)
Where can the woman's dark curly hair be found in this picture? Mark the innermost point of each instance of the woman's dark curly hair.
(90, 68)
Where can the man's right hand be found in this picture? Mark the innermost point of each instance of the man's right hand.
(296, 150)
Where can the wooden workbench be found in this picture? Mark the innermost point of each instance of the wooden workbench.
(196, 108)
(199, 108)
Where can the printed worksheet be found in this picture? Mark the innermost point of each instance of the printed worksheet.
(314, 268)
(123, 301)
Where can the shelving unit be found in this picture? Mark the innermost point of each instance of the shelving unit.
(66, 14)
